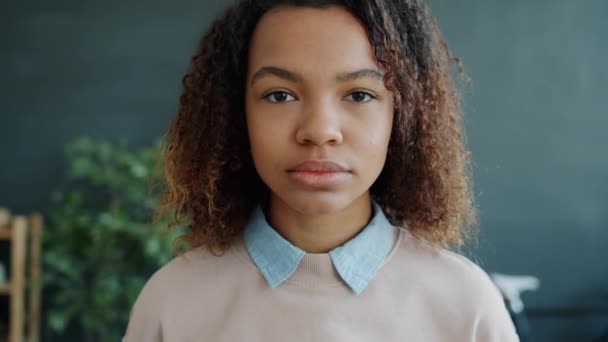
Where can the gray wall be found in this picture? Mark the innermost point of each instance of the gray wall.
(537, 119)
(100, 68)
(536, 115)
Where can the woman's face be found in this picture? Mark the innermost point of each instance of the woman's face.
(318, 114)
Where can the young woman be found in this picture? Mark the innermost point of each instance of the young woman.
(318, 160)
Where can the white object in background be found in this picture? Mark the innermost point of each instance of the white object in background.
(512, 286)
(2, 274)
(5, 217)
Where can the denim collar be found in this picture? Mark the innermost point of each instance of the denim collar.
(356, 261)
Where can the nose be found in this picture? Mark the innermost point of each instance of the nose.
(320, 125)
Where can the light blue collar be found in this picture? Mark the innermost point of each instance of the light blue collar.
(357, 261)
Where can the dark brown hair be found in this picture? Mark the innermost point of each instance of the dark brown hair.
(211, 184)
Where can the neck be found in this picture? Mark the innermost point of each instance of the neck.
(320, 233)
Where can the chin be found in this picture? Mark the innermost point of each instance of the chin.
(317, 203)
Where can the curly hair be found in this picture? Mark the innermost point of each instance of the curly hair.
(211, 184)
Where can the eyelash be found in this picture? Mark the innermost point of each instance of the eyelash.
(267, 96)
(365, 93)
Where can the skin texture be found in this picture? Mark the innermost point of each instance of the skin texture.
(311, 110)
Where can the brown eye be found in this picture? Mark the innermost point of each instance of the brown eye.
(279, 96)
(361, 96)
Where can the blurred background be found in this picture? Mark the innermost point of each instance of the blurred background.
(88, 87)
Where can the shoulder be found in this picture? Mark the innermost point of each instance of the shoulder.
(453, 281)
(171, 275)
(187, 262)
(193, 267)
(172, 285)
(440, 265)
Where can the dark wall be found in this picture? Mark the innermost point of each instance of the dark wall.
(537, 118)
(109, 69)
(536, 115)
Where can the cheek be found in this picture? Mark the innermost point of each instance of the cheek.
(378, 132)
(373, 142)
(263, 132)
(376, 147)
(266, 141)
(257, 138)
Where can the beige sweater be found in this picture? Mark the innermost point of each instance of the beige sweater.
(419, 294)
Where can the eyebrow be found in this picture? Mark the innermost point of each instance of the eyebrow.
(294, 77)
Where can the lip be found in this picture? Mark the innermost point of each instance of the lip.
(318, 166)
(319, 174)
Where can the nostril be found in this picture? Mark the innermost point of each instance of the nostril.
(319, 137)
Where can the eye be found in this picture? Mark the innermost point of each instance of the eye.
(279, 96)
(361, 96)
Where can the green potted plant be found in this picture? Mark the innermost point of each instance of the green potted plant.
(101, 244)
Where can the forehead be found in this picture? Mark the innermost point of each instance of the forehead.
(312, 41)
